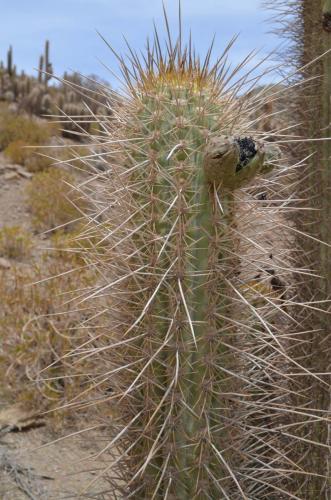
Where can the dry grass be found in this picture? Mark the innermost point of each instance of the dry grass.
(20, 128)
(15, 243)
(52, 201)
(35, 159)
(40, 324)
(37, 331)
(42, 319)
(21, 138)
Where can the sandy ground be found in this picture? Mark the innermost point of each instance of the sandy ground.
(12, 209)
(30, 467)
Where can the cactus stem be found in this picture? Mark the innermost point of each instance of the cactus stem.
(202, 352)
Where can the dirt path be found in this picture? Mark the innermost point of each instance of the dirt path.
(30, 467)
(12, 186)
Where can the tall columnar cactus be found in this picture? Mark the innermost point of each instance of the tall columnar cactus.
(200, 359)
(45, 66)
(316, 124)
(185, 169)
(48, 64)
(10, 61)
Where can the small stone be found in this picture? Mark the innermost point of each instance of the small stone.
(4, 263)
(9, 176)
(22, 172)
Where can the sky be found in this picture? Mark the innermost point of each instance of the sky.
(72, 25)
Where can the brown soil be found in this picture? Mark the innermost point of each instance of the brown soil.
(30, 467)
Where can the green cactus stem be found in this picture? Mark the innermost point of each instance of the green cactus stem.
(179, 151)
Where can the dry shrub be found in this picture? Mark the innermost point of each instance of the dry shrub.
(38, 160)
(15, 242)
(37, 332)
(21, 139)
(52, 201)
(76, 245)
(34, 159)
(16, 151)
(20, 128)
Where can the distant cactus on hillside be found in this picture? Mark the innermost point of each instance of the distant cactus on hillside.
(45, 66)
(36, 96)
(10, 61)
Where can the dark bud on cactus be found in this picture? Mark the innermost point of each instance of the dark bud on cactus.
(221, 159)
(233, 162)
(247, 151)
(327, 22)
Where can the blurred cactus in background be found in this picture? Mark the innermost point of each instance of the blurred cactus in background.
(48, 65)
(45, 70)
(307, 25)
(35, 95)
(10, 61)
(40, 71)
